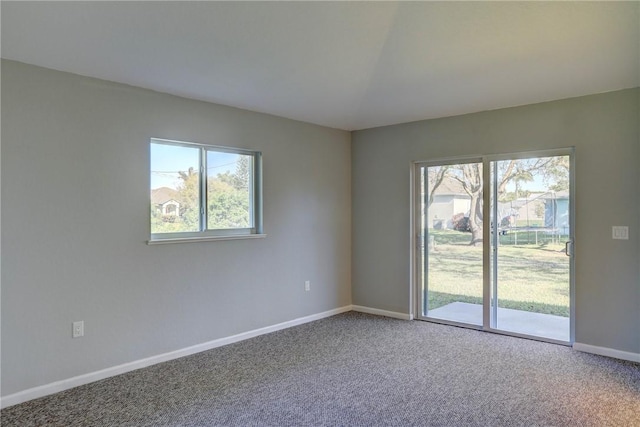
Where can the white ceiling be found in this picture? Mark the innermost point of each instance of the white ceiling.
(347, 65)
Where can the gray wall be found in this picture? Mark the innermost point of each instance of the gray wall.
(604, 130)
(75, 210)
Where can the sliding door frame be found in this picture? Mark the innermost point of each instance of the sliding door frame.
(418, 240)
(489, 240)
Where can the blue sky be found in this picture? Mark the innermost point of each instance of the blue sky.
(167, 160)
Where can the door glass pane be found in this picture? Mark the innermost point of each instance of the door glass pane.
(175, 188)
(530, 230)
(451, 242)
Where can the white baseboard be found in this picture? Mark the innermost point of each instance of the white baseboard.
(58, 386)
(378, 312)
(55, 387)
(605, 351)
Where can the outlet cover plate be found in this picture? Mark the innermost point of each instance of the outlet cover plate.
(78, 329)
(620, 232)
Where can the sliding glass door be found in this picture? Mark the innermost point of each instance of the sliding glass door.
(451, 251)
(531, 246)
(494, 243)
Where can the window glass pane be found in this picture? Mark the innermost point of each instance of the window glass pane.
(229, 190)
(175, 188)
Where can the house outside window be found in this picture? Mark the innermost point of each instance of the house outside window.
(203, 191)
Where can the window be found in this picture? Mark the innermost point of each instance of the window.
(204, 192)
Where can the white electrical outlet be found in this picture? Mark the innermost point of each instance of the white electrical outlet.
(620, 232)
(78, 329)
(307, 285)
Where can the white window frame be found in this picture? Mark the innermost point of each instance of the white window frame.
(204, 234)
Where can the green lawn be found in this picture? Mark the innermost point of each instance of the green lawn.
(531, 277)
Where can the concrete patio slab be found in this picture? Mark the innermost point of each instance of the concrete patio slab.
(522, 322)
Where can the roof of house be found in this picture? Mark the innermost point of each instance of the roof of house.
(162, 195)
(450, 186)
(563, 194)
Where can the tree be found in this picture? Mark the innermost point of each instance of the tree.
(436, 175)
(225, 177)
(557, 176)
(228, 197)
(228, 207)
(189, 195)
(470, 177)
(242, 175)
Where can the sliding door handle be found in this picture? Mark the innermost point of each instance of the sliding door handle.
(568, 248)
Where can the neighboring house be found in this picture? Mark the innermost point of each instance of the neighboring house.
(524, 211)
(556, 211)
(449, 199)
(549, 210)
(164, 199)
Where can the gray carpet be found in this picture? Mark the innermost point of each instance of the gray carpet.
(358, 370)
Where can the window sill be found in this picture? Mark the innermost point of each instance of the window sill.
(204, 239)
